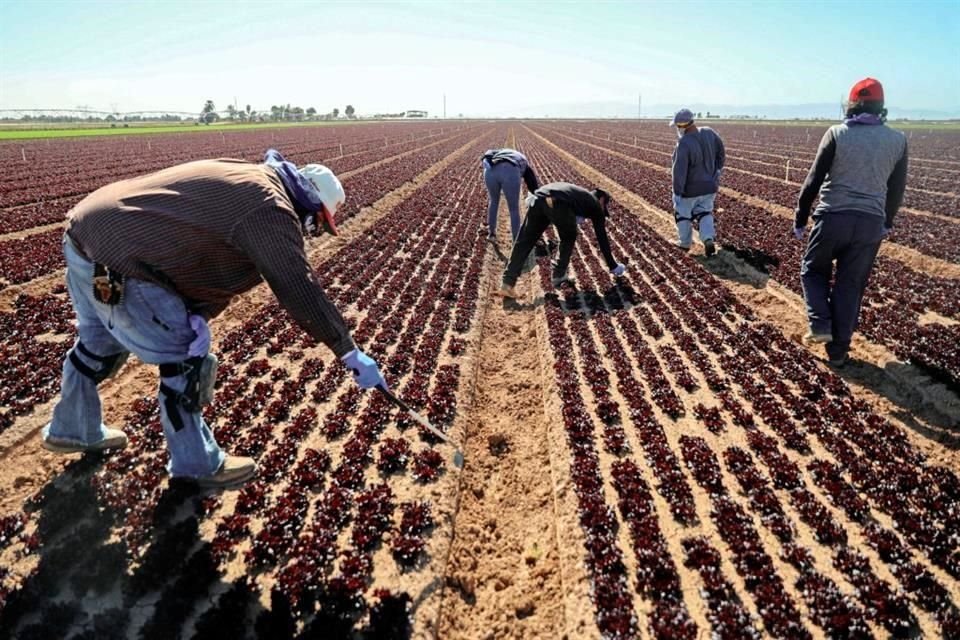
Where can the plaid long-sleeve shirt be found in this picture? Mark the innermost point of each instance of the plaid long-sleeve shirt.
(209, 230)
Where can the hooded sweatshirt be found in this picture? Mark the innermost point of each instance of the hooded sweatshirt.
(697, 162)
(861, 167)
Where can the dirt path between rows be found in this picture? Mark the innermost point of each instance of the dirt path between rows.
(503, 576)
(23, 233)
(740, 146)
(908, 256)
(902, 253)
(935, 217)
(926, 411)
(26, 466)
(801, 170)
(32, 231)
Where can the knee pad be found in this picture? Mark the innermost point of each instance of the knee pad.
(201, 374)
(697, 217)
(109, 365)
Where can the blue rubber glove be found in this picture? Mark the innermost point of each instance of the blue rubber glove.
(201, 344)
(798, 232)
(619, 270)
(885, 233)
(364, 369)
(580, 221)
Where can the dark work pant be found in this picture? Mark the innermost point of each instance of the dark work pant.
(538, 218)
(852, 240)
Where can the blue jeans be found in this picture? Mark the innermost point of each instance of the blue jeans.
(503, 177)
(153, 324)
(852, 241)
(692, 209)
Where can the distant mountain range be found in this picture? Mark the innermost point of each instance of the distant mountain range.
(768, 111)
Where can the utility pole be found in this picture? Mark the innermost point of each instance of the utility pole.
(639, 106)
(444, 106)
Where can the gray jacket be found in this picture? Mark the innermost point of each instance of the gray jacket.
(859, 168)
(697, 162)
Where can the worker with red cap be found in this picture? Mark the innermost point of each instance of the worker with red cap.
(860, 173)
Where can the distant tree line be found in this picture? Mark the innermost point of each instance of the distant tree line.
(129, 117)
(277, 113)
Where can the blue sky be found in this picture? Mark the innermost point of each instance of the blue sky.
(490, 58)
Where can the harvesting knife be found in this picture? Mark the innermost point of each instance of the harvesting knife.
(457, 455)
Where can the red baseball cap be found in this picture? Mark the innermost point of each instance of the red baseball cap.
(867, 90)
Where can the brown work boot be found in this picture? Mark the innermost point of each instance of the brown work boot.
(234, 471)
(114, 439)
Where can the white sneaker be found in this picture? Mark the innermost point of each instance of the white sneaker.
(234, 471)
(817, 338)
(114, 439)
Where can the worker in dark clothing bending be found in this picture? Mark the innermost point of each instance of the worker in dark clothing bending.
(860, 174)
(502, 171)
(566, 206)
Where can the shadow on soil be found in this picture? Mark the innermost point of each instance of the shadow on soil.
(917, 397)
(732, 265)
(515, 305)
(86, 586)
(921, 399)
(83, 587)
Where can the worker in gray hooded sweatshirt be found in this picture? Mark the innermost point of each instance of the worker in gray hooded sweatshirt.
(860, 173)
(502, 171)
(697, 165)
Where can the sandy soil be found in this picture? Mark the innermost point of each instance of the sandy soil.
(909, 256)
(927, 410)
(926, 414)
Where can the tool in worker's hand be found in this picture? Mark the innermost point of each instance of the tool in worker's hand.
(457, 456)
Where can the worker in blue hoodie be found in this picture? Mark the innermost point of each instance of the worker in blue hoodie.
(502, 171)
(697, 165)
(860, 174)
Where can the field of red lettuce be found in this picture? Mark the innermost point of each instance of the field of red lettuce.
(710, 476)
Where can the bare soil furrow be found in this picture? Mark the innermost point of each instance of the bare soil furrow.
(907, 255)
(17, 448)
(928, 411)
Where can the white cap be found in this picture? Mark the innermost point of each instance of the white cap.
(327, 184)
